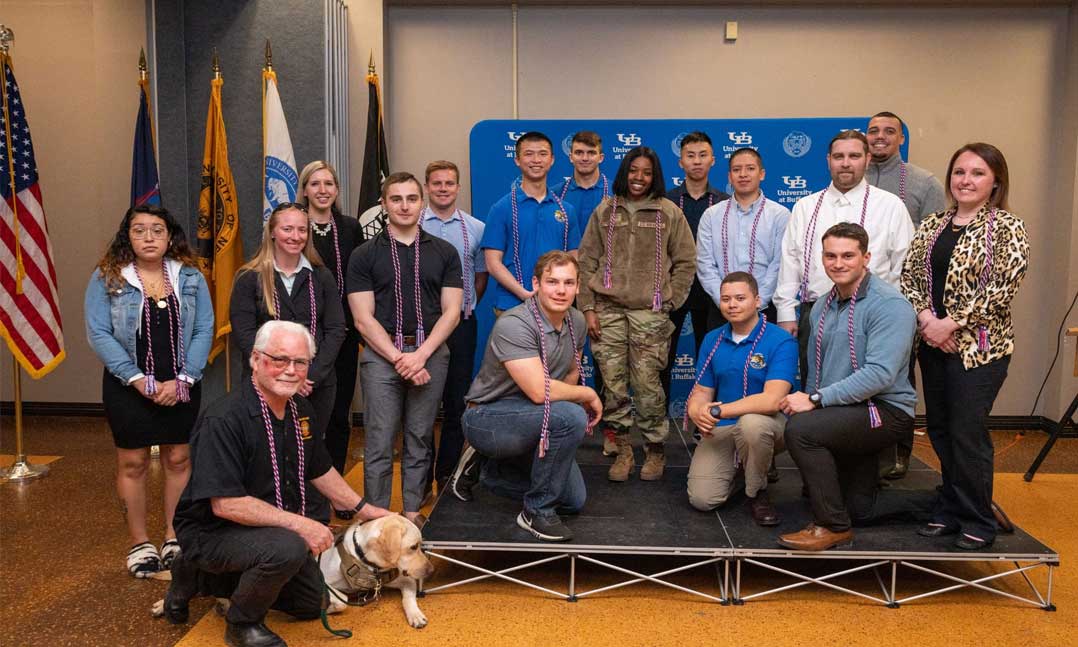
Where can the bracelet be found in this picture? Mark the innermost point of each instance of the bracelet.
(359, 506)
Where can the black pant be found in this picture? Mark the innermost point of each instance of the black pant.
(258, 569)
(339, 429)
(804, 331)
(835, 448)
(957, 404)
(461, 344)
(699, 330)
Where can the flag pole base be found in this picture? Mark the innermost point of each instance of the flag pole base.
(22, 470)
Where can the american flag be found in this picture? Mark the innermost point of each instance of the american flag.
(29, 303)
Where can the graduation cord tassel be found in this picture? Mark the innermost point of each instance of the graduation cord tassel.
(398, 293)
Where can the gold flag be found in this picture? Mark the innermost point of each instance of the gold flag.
(220, 250)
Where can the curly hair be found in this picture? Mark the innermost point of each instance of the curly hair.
(120, 253)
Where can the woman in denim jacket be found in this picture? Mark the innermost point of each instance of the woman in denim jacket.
(153, 350)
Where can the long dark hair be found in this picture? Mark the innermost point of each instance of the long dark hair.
(621, 180)
(120, 253)
(993, 157)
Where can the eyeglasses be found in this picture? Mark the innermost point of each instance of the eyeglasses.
(154, 233)
(284, 362)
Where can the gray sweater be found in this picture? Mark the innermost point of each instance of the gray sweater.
(924, 193)
(883, 324)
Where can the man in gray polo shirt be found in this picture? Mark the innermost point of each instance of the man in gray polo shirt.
(527, 409)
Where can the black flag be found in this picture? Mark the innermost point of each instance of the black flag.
(375, 162)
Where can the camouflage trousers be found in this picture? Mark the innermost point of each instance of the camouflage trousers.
(631, 353)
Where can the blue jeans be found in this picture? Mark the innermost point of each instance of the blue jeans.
(507, 432)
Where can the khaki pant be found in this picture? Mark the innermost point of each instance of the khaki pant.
(757, 439)
(631, 353)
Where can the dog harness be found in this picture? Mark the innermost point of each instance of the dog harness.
(360, 574)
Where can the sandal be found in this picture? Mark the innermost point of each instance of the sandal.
(169, 551)
(143, 560)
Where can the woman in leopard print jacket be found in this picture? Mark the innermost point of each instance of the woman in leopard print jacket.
(962, 271)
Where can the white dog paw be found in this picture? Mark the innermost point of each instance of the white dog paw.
(417, 619)
(158, 608)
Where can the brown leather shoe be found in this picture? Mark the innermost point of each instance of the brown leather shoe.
(1005, 524)
(816, 538)
(763, 513)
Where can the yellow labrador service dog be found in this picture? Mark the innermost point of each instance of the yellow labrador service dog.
(366, 557)
(374, 554)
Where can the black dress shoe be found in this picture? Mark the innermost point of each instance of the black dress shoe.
(773, 473)
(763, 513)
(1002, 519)
(936, 530)
(251, 635)
(965, 542)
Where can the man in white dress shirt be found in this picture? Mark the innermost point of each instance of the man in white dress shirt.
(848, 198)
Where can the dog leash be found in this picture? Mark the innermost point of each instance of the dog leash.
(340, 633)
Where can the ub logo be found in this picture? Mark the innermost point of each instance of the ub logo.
(632, 139)
(567, 145)
(795, 182)
(513, 135)
(683, 360)
(677, 181)
(797, 144)
(741, 139)
(677, 408)
(675, 144)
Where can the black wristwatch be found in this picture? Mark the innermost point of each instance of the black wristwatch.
(816, 399)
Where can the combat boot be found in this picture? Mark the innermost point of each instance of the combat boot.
(623, 464)
(654, 462)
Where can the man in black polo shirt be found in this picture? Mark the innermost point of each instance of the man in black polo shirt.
(240, 519)
(694, 196)
(405, 326)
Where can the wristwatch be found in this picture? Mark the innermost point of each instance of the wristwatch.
(816, 399)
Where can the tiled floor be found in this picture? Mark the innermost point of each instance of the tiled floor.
(62, 580)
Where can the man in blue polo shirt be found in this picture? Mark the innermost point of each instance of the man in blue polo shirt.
(746, 368)
(526, 223)
(588, 186)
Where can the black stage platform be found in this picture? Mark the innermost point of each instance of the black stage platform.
(642, 518)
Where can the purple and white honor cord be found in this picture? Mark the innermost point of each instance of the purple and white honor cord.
(302, 478)
(707, 363)
(656, 294)
(420, 333)
(337, 253)
(516, 231)
(469, 267)
(982, 279)
(606, 190)
(544, 432)
(752, 236)
(902, 173)
(175, 340)
(873, 413)
(313, 304)
(810, 238)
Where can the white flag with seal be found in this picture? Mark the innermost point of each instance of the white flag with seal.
(279, 175)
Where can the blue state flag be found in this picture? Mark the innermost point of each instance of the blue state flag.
(145, 186)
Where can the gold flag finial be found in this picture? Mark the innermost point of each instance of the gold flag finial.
(216, 65)
(142, 69)
(370, 65)
(269, 55)
(6, 38)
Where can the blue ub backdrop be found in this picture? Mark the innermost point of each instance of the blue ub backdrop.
(794, 153)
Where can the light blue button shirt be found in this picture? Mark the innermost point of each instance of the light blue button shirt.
(710, 253)
(450, 231)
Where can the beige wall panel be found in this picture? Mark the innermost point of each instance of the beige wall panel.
(76, 63)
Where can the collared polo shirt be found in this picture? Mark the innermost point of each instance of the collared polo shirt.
(230, 457)
(774, 358)
(450, 231)
(370, 269)
(515, 336)
(584, 200)
(541, 229)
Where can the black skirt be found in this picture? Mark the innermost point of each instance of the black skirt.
(137, 422)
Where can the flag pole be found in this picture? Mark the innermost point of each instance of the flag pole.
(228, 346)
(143, 82)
